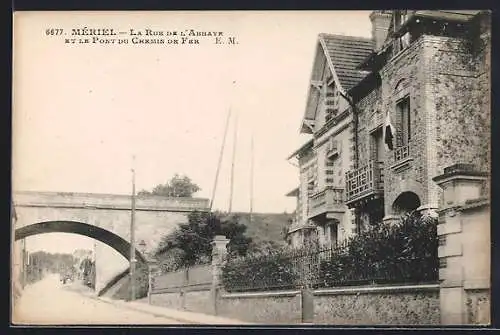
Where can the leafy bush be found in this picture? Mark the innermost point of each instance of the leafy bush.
(259, 272)
(142, 283)
(405, 252)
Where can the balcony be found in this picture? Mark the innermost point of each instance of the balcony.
(299, 226)
(402, 158)
(365, 183)
(333, 149)
(401, 153)
(329, 201)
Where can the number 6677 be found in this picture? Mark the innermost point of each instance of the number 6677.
(53, 32)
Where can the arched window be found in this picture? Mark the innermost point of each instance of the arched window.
(400, 86)
(403, 115)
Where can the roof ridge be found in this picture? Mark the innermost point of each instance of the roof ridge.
(346, 37)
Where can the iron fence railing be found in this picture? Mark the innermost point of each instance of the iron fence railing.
(319, 267)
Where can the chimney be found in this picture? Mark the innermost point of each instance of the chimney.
(381, 20)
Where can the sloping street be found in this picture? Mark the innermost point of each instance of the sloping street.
(50, 302)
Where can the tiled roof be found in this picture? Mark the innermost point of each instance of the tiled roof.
(306, 146)
(346, 53)
(460, 15)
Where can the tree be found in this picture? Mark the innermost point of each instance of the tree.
(266, 247)
(178, 186)
(190, 243)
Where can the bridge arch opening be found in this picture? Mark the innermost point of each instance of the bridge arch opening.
(116, 242)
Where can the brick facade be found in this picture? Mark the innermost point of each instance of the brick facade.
(447, 83)
(443, 73)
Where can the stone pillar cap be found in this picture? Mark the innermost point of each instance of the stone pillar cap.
(466, 170)
(427, 206)
(220, 238)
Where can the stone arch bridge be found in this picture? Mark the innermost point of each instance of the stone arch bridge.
(104, 217)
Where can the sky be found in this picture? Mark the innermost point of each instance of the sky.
(81, 112)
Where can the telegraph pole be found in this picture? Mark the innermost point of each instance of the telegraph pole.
(251, 179)
(221, 154)
(132, 238)
(220, 159)
(235, 138)
(25, 264)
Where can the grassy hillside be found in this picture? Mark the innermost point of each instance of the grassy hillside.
(265, 226)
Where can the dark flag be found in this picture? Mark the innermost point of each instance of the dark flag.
(389, 133)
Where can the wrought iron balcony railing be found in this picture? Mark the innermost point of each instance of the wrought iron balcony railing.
(401, 153)
(364, 181)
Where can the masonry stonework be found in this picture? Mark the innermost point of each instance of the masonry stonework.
(401, 77)
(155, 217)
(267, 309)
(414, 307)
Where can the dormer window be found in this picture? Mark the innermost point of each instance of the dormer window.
(403, 16)
(402, 39)
(400, 18)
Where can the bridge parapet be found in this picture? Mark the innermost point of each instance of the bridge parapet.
(107, 201)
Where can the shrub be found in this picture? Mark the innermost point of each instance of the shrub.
(405, 252)
(259, 272)
(142, 283)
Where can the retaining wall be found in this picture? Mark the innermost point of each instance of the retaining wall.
(373, 305)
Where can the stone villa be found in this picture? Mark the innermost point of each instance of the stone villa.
(386, 115)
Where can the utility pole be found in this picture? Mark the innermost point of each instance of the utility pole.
(235, 138)
(251, 179)
(132, 238)
(220, 160)
(221, 153)
(25, 263)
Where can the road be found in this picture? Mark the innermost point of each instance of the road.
(49, 302)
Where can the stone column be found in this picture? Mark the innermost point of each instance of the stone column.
(464, 241)
(219, 253)
(152, 268)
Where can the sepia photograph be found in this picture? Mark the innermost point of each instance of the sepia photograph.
(239, 168)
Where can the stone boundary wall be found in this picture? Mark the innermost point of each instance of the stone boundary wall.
(282, 307)
(194, 300)
(387, 305)
(370, 305)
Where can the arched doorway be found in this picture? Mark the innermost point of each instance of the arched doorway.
(405, 203)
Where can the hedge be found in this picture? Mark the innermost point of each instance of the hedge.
(259, 272)
(401, 253)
